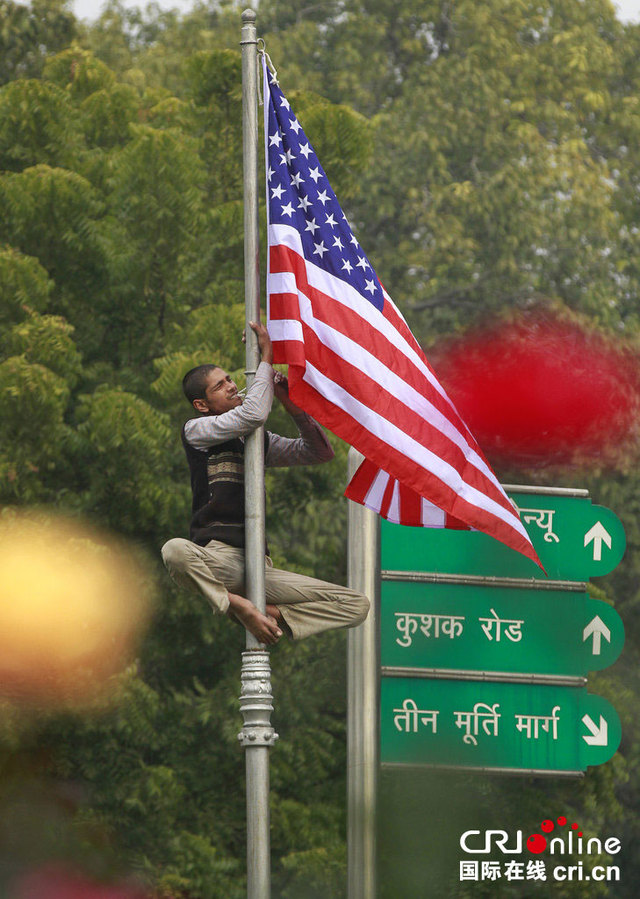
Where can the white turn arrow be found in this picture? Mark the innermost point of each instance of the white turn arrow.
(598, 535)
(599, 629)
(599, 733)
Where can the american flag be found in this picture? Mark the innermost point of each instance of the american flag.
(354, 365)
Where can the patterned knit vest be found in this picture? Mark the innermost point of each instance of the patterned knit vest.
(217, 485)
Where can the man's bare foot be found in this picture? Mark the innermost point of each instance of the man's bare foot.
(275, 613)
(263, 627)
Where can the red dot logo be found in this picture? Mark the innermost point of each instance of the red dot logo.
(536, 843)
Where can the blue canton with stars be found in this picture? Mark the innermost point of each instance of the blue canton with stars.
(299, 194)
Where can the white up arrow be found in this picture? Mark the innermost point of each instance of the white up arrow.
(597, 534)
(599, 733)
(599, 629)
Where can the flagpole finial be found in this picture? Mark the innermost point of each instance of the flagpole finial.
(248, 16)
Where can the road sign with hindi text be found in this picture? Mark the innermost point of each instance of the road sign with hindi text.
(493, 725)
(574, 539)
(484, 657)
(493, 628)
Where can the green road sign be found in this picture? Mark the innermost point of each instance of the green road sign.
(492, 628)
(485, 724)
(574, 539)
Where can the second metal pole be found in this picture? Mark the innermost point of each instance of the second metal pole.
(363, 672)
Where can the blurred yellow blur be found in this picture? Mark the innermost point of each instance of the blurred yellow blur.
(72, 605)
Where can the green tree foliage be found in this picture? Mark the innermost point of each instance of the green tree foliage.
(487, 152)
(46, 136)
(29, 33)
(24, 285)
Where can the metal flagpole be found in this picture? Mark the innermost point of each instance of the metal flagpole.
(257, 734)
(363, 672)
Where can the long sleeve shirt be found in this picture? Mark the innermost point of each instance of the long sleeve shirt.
(310, 447)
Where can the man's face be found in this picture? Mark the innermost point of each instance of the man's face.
(221, 394)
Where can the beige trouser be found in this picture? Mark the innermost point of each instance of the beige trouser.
(307, 605)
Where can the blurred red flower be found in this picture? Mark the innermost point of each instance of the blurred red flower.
(542, 390)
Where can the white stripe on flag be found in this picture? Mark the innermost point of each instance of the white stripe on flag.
(285, 329)
(394, 505)
(375, 493)
(432, 516)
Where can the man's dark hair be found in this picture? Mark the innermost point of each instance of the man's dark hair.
(194, 382)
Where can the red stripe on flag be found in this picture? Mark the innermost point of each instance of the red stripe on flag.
(284, 306)
(410, 506)
(455, 523)
(288, 352)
